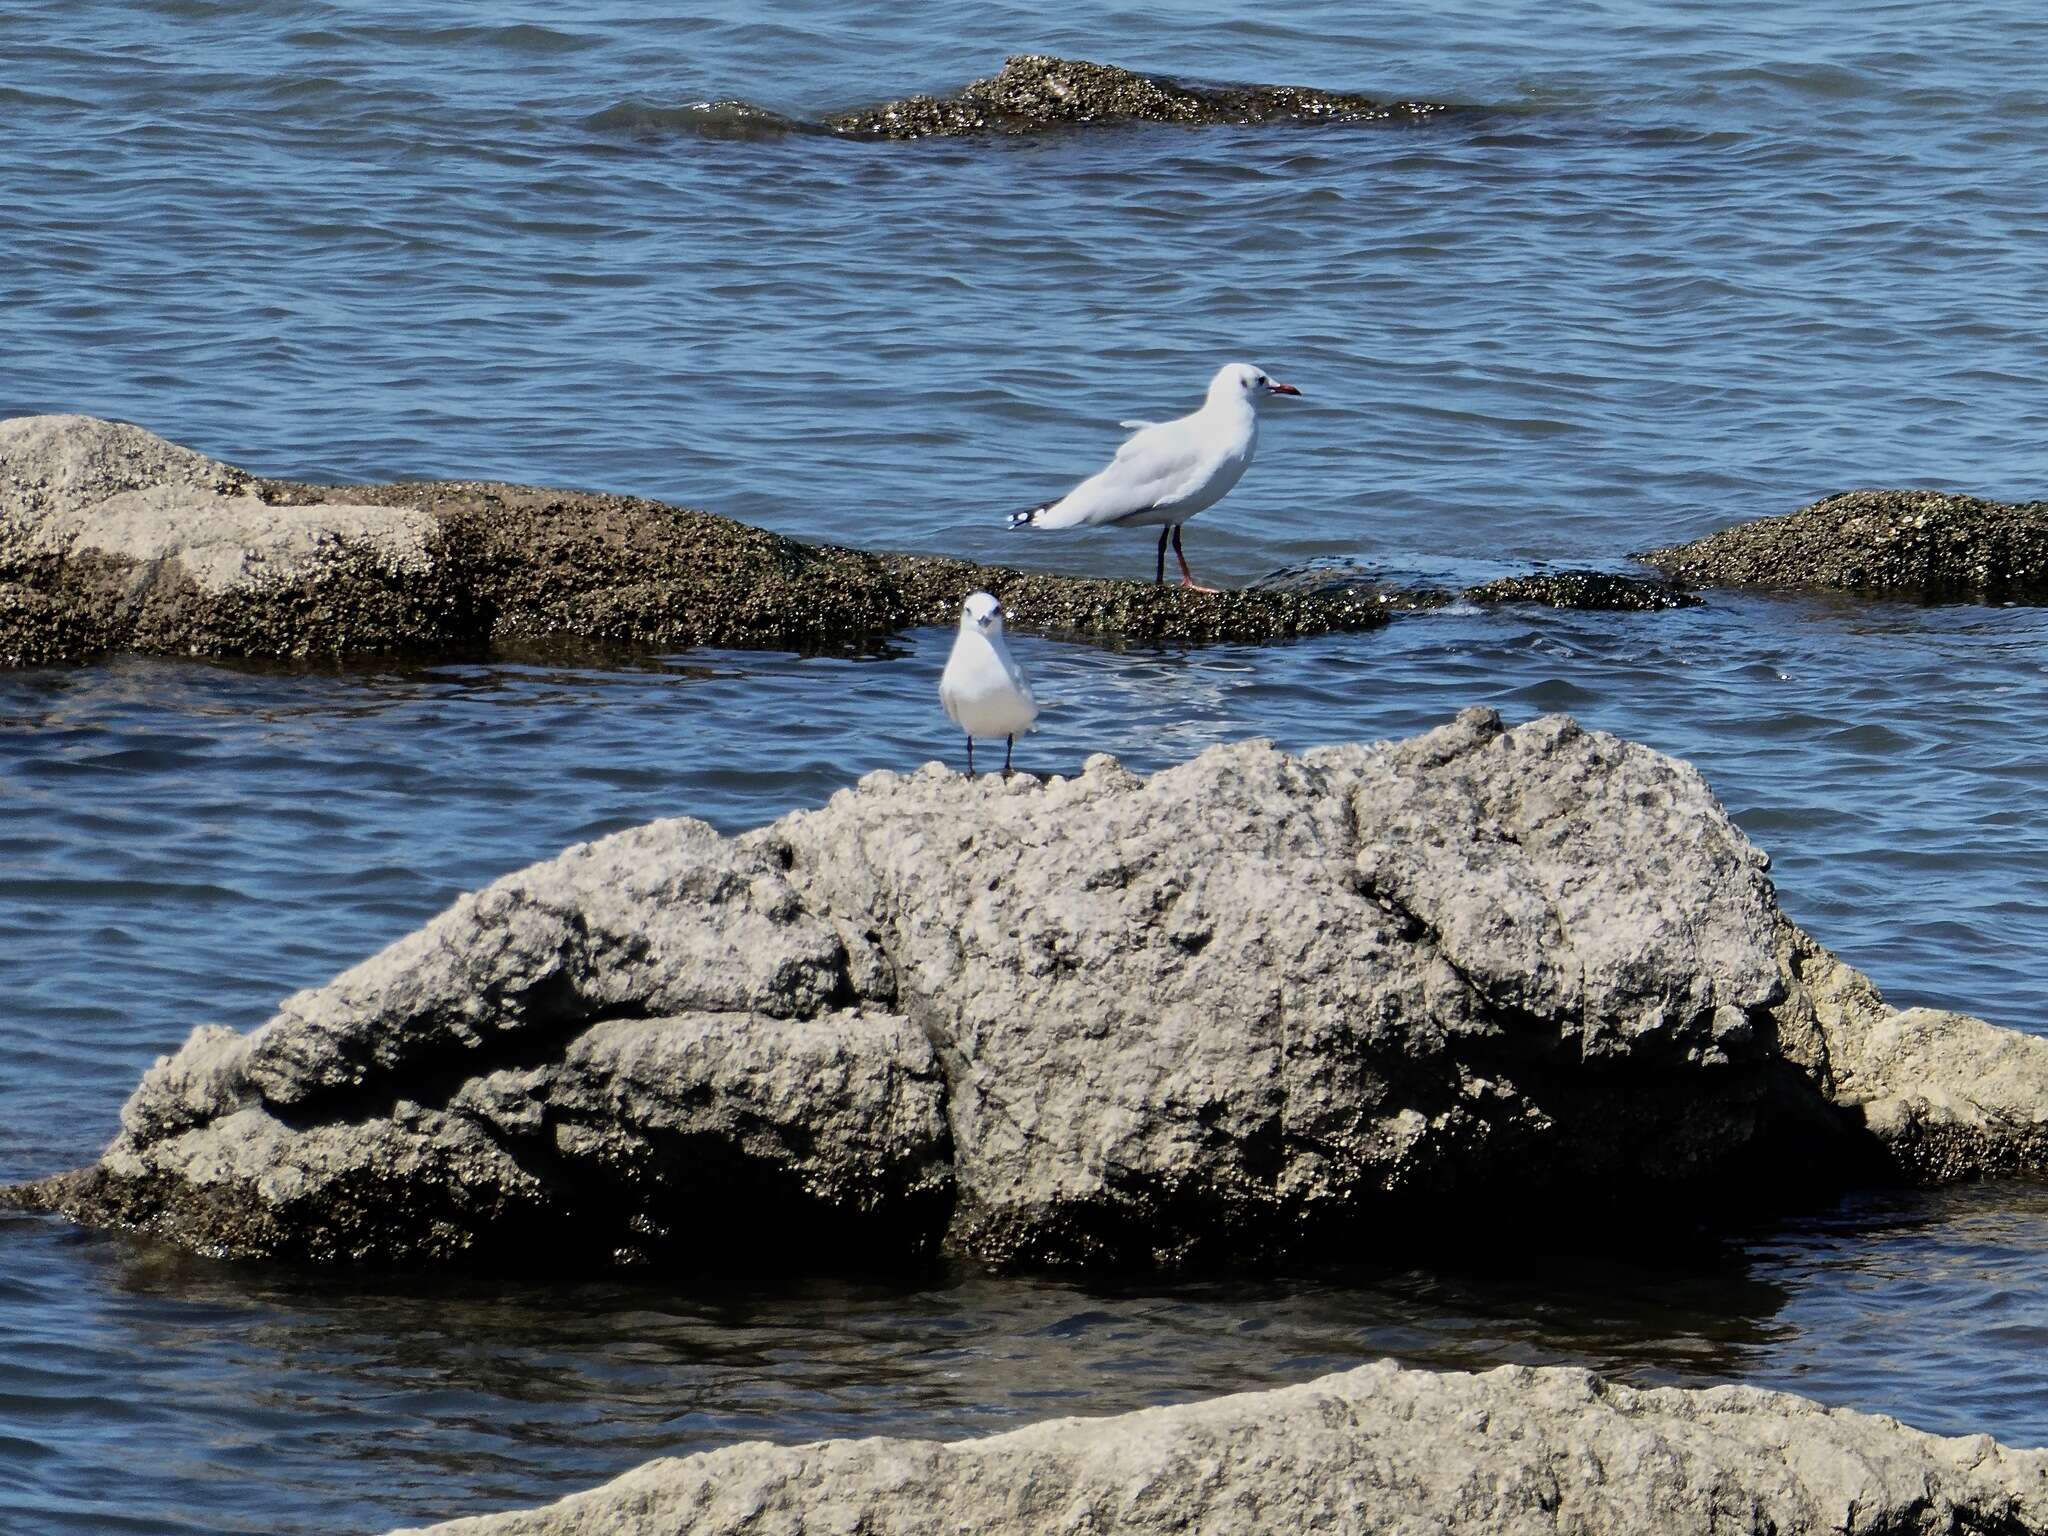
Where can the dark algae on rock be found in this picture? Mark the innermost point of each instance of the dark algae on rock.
(1931, 545)
(1605, 591)
(1035, 92)
(1587, 591)
(1032, 93)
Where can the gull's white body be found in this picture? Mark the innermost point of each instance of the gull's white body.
(1167, 471)
(983, 689)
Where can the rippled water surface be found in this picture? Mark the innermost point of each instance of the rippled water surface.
(1685, 264)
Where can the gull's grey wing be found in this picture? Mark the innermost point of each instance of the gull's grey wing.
(1152, 466)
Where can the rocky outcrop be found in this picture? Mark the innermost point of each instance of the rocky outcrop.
(1513, 1450)
(1035, 92)
(112, 539)
(1255, 1010)
(1925, 545)
(1939, 1095)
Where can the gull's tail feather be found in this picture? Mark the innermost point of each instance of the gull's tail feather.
(1029, 517)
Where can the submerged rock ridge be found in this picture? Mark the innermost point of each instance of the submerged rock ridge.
(1608, 591)
(1585, 590)
(1513, 1450)
(1034, 92)
(1928, 545)
(1257, 1009)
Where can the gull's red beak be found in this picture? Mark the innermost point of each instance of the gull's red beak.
(1283, 389)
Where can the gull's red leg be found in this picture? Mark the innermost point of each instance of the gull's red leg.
(1187, 577)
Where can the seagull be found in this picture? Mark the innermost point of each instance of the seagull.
(1167, 471)
(983, 689)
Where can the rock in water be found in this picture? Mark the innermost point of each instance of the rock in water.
(1034, 92)
(1257, 1009)
(1923, 545)
(113, 539)
(1379, 1448)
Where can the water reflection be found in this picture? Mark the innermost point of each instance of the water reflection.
(463, 1394)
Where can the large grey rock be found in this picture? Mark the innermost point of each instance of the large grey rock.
(112, 538)
(1377, 1449)
(62, 464)
(221, 543)
(1256, 1009)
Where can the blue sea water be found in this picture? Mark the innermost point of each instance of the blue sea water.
(1684, 264)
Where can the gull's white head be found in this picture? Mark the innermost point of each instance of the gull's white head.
(981, 612)
(1241, 381)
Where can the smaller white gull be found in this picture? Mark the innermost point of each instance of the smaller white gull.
(983, 688)
(1168, 471)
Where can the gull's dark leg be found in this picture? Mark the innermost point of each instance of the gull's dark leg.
(1159, 575)
(1009, 746)
(970, 757)
(1187, 577)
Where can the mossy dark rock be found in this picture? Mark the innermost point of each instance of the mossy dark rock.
(1605, 591)
(1928, 545)
(1034, 92)
(1593, 591)
(58, 620)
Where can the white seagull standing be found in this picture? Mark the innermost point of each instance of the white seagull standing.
(1167, 471)
(983, 688)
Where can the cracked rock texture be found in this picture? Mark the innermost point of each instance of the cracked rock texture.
(112, 539)
(1376, 1449)
(1927, 545)
(1035, 92)
(1257, 1009)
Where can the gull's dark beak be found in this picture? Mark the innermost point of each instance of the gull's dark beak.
(1281, 389)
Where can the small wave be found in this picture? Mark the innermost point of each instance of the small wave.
(13, 96)
(309, 88)
(517, 37)
(726, 119)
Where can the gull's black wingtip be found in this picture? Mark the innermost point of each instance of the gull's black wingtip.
(1029, 517)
